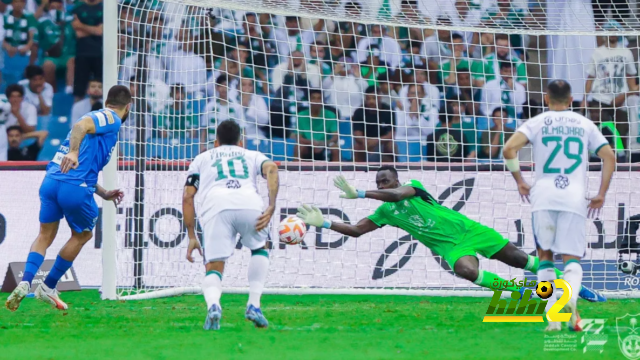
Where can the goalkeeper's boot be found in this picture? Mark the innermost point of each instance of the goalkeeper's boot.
(13, 301)
(50, 296)
(591, 295)
(575, 323)
(212, 322)
(255, 315)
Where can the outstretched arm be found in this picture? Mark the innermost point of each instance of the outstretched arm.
(311, 215)
(387, 195)
(270, 171)
(510, 154)
(189, 215)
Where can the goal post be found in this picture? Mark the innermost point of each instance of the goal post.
(329, 87)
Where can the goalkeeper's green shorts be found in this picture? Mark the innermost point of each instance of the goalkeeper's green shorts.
(481, 240)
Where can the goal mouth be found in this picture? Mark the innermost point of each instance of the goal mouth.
(343, 87)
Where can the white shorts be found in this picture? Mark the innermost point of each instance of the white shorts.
(221, 233)
(562, 232)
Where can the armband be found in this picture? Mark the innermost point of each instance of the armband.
(193, 180)
(513, 165)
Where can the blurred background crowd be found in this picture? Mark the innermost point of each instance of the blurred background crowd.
(313, 89)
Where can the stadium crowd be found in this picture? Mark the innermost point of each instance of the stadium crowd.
(323, 89)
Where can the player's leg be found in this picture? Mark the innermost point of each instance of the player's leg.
(50, 215)
(219, 242)
(258, 265)
(544, 233)
(465, 264)
(81, 211)
(571, 243)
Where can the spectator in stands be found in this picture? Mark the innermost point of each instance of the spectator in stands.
(37, 91)
(436, 48)
(218, 110)
(153, 64)
(418, 119)
(94, 95)
(346, 92)
(372, 68)
(256, 111)
(177, 120)
(460, 60)
(15, 137)
(20, 29)
(421, 76)
(184, 66)
(317, 131)
(56, 39)
(87, 24)
(503, 52)
(492, 141)
(465, 13)
(503, 91)
(508, 14)
(464, 90)
(246, 70)
(295, 71)
(388, 48)
(317, 56)
(22, 113)
(455, 138)
(373, 128)
(293, 38)
(612, 76)
(263, 50)
(387, 93)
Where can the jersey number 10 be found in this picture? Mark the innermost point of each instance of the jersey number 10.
(230, 170)
(565, 146)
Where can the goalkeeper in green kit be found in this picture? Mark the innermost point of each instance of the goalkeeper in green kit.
(446, 232)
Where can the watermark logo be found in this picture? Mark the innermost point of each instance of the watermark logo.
(529, 309)
(628, 336)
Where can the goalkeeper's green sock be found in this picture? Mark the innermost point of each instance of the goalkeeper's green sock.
(493, 281)
(534, 262)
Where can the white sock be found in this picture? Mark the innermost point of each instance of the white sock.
(258, 267)
(549, 275)
(573, 275)
(212, 288)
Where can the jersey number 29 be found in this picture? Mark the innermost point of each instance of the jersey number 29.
(230, 171)
(565, 146)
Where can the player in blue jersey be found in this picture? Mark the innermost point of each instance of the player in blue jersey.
(67, 191)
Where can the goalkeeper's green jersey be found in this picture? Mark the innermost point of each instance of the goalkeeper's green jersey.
(436, 226)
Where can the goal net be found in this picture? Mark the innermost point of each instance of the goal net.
(323, 87)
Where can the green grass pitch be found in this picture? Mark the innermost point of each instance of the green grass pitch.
(301, 327)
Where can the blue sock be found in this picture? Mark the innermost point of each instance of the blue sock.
(59, 268)
(34, 261)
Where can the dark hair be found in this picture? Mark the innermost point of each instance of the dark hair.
(33, 70)
(13, 88)
(177, 88)
(15, 127)
(388, 168)
(505, 64)
(456, 36)
(119, 96)
(228, 133)
(371, 90)
(559, 91)
(314, 91)
(222, 79)
(500, 109)
(97, 106)
(502, 37)
(133, 78)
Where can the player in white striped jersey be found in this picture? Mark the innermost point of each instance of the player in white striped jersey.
(222, 181)
(561, 142)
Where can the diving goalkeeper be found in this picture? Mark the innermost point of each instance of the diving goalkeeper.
(446, 232)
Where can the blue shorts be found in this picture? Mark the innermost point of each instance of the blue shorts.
(59, 199)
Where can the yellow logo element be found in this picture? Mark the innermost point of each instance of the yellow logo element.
(544, 290)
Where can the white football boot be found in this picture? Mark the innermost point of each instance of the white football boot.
(50, 296)
(13, 301)
(575, 323)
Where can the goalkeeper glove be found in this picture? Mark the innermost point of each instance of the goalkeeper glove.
(348, 191)
(313, 216)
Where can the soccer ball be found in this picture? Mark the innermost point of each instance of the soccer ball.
(627, 267)
(292, 230)
(544, 289)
